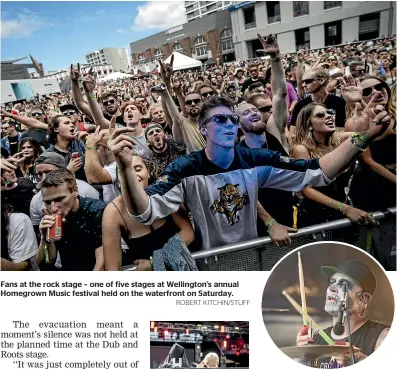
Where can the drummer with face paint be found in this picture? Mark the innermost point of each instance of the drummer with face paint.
(366, 335)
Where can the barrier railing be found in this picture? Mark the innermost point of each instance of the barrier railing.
(261, 254)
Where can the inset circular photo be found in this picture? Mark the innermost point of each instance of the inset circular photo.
(328, 305)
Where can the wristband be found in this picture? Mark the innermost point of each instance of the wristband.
(88, 148)
(46, 252)
(91, 97)
(151, 262)
(271, 224)
(340, 206)
(360, 141)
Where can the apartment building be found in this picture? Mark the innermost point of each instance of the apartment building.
(197, 9)
(313, 24)
(118, 58)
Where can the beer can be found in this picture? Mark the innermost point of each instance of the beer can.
(75, 155)
(54, 233)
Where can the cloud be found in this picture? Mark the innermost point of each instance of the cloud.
(161, 15)
(23, 25)
(81, 17)
(120, 30)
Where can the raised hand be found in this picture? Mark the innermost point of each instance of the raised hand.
(121, 145)
(166, 70)
(351, 89)
(89, 81)
(75, 73)
(75, 164)
(5, 113)
(99, 135)
(270, 45)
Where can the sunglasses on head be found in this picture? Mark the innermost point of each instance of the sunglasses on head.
(109, 102)
(321, 114)
(223, 118)
(367, 91)
(309, 80)
(206, 94)
(265, 109)
(190, 102)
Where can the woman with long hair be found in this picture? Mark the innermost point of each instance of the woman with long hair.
(142, 240)
(316, 135)
(30, 150)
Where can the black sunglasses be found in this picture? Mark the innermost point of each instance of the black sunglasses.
(253, 70)
(309, 80)
(321, 114)
(367, 91)
(190, 102)
(109, 102)
(206, 94)
(265, 109)
(36, 114)
(223, 118)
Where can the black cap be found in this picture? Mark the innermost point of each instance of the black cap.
(356, 270)
(67, 107)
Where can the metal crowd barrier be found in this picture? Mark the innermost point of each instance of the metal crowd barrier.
(261, 254)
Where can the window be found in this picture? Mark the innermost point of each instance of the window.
(177, 47)
(302, 38)
(201, 50)
(141, 58)
(226, 33)
(227, 45)
(300, 8)
(158, 52)
(273, 11)
(249, 17)
(333, 33)
(199, 40)
(368, 26)
(332, 4)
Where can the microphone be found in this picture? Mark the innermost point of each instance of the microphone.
(339, 325)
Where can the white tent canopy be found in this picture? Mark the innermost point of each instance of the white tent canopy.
(182, 61)
(115, 76)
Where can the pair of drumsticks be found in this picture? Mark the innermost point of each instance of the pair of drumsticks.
(303, 310)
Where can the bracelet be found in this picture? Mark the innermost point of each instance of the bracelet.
(358, 137)
(91, 97)
(340, 206)
(88, 148)
(46, 252)
(151, 262)
(271, 224)
(347, 209)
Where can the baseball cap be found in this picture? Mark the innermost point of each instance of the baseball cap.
(67, 107)
(357, 270)
(52, 158)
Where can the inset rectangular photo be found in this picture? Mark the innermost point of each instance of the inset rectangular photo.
(195, 344)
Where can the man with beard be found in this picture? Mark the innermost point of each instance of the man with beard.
(185, 128)
(357, 279)
(164, 151)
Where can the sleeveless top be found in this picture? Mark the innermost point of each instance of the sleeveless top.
(144, 246)
(364, 338)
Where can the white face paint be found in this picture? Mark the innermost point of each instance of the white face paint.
(335, 292)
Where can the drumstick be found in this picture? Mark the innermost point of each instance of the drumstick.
(300, 311)
(302, 288)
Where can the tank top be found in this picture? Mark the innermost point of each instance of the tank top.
(364, 338)
(144, 246)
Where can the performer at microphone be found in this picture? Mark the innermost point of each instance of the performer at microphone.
(366, 335)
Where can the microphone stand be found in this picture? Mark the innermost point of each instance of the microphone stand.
(349, 333)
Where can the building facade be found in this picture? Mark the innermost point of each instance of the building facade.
(110, 55)
(197, 9)
(313, 24)
(202, 39)
(102, 70)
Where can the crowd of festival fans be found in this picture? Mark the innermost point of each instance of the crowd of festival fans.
(143, 172)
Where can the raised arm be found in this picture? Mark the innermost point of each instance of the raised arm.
(76, 92)
(89, 83)
(27, 121)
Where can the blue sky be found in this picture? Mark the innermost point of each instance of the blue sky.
(58, 33)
